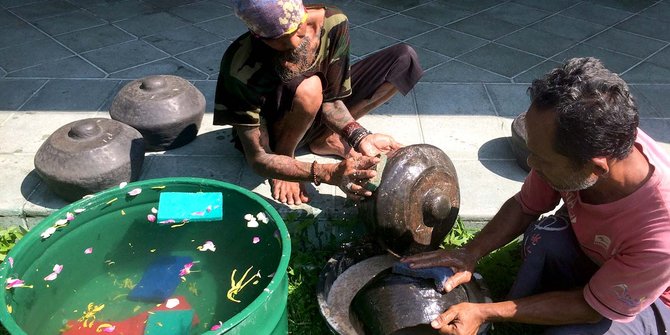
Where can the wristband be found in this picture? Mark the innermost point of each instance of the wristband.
(349, 129)
(312, 172)
(357, 137)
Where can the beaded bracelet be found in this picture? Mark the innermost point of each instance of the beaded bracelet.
(312, 172)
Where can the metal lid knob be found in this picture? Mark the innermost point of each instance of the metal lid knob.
(84, 130)
(153, 83)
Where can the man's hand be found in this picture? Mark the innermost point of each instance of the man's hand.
(352, 173)
(375, 144)
(459, 260)
(461, 319)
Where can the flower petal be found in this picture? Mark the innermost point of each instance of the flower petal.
(151, 218)
(51, 276)
(58, 268)
(256, 239)
(123, 184)
(88, 251)
(135, 192)
(61, 223)
(216, 327)
(11, 283)
(69, 216)
(249, 217)
(172, 303)
(154, 210)
(105, 328)
(252, 224)
(79, 210)
(262, 217)
(11, 262)
(48, 232)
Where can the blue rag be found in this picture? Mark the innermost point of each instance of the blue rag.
(160, 279)
(439, 274)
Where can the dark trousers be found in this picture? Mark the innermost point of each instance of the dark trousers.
(553, 261)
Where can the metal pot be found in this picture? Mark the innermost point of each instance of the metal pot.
(89, 155)
(166, 109)
(417, 201)
(358, 295)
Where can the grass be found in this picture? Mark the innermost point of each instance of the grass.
(314, 242)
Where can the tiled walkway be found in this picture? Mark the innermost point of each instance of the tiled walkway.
(66, 59)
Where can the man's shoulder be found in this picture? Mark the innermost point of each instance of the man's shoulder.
(243, 59)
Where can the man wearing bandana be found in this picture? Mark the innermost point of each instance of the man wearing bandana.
(288, 83)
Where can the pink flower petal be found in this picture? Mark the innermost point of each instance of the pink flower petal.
(169, 221)
(209, 208)
(11, 262)
(186, 270)
(123, 184)
(199, 213)
(154, 210)
(216, 327)
(69, 216)
(256, 239)
(58, 268)
(151, 218)
(135, 192)
(11, 283)
(105, 328)
(51, 276)
(88, 251)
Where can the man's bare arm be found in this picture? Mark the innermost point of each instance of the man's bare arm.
(551, 308)
(265, 163)
(336, 115)
(506, 225)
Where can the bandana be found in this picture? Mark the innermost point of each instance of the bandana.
(271, 18)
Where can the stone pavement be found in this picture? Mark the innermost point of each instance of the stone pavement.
(63, 60)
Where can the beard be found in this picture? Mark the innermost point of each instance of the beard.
(577, 181)
(292, 63)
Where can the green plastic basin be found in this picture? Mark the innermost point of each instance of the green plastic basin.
(110, 241)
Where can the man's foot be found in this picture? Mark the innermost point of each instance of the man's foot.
(331, 145)
(289, 192)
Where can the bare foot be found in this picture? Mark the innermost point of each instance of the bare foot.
(331, 145)
(289, 192)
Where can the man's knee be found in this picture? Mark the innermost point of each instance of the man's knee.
(308, 96)
(549, 236)
(405, 55)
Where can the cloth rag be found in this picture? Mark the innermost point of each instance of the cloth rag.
(439, 274)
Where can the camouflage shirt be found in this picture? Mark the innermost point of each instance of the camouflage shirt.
(247, 77)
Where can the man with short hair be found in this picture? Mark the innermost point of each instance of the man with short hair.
(601, 264)
(288, 82)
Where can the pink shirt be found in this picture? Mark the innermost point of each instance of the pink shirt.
(629, 238)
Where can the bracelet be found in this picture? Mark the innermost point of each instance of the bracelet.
(312, 172)
(357, 137)
(349, 129)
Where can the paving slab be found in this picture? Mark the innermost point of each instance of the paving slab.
(15, 92)
(486, 185)
(456, 136)
(452, 99)
(24, 133)
(18, 182)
